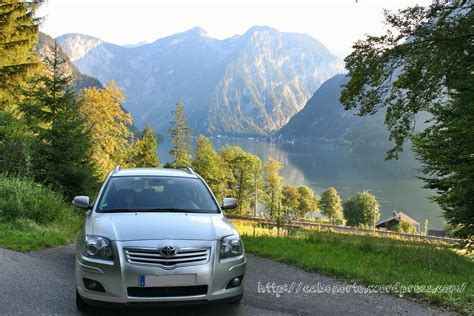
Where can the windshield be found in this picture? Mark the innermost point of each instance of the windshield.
(156, 194)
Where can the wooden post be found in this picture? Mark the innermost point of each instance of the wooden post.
(256, 195)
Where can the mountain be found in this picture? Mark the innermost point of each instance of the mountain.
(135, 45)
(79, 80)
(248, 84)
(324, 119)
(45, 47)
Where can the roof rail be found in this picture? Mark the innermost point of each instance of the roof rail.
(116, 169)
(188, 169)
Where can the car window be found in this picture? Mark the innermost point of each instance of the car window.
(177, 194)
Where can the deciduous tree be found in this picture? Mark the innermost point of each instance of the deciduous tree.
(308, 202)
(291, 200)
(331, 206)
(360, 209)
(209, 165)
(107, 123)
(424, 63)
(273, 187)
(411, 68)
(404, 227)
(246, 171)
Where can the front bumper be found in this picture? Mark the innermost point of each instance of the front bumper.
(119, 275)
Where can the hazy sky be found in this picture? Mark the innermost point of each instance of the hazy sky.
(336, 23)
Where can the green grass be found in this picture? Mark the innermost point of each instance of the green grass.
(35, 217)
(374, 260)
(24, 235)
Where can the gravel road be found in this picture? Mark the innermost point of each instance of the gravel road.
(42, 282)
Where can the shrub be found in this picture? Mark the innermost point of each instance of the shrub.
(404, 227)
(24, 199)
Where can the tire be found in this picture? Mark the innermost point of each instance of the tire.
(80, 303)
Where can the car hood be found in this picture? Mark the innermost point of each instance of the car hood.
(154, 226)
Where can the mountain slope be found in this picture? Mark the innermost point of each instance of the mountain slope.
(324, 119)
(244, 85)
(80, 80)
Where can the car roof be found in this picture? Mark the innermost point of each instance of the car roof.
(164, 172)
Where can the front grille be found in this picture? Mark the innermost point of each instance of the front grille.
(183, 256)
(168, 291)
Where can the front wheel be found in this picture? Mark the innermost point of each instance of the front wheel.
(80, 303)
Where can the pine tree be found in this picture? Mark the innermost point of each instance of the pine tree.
(209, 165)
(15, 146)
(145, 153)
(181, 138)
(107, 123)
(273, 188)
(18, 38)
(331, 206)
(60, 156)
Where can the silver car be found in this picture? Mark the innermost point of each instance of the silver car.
(157, 236)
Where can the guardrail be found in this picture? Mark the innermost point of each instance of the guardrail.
(304, 224)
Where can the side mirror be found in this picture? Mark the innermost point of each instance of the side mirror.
(81, 202)
(229, 203)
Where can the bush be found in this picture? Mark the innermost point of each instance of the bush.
(24, 199)
(404, 227)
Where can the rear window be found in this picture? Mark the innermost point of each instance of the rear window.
(167, 194)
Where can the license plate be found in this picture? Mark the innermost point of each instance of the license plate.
(167, 280)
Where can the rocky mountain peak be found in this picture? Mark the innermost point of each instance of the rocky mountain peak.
(250, 84)
(76, 46)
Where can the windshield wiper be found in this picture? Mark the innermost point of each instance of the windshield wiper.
(167, 209)
(119, 210)
(153, 209)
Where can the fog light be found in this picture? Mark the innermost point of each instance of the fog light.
(235, 282)
(93, 285)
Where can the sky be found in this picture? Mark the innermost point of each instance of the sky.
(336, 23)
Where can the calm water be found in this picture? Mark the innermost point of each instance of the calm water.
(394, 183)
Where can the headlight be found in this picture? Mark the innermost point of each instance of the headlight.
(230, 246)
(98, 247)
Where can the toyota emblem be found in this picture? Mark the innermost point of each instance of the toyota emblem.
(168, 251)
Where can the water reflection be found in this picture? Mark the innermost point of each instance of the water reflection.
(319, 166)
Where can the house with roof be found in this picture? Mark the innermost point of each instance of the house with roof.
(395, 219)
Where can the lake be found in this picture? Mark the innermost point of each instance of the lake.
(320, 166)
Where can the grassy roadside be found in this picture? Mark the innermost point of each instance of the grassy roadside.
(371, 260)
(25, 235)
(35, 217)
